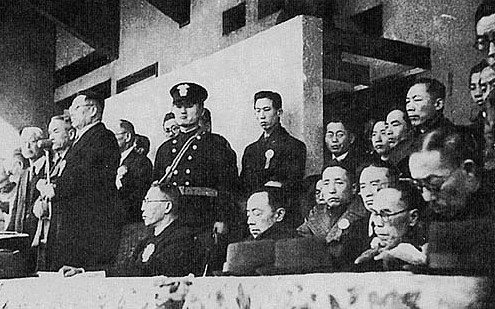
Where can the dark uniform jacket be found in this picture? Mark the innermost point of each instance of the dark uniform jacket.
(135, 183)
(171, 253)
(286, 163)
(345, 230)
(209, 162)
(84, 229)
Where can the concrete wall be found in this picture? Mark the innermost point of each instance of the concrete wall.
(27, 58)
(232, 76)
(149, 36)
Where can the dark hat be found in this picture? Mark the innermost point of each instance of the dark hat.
(188, 92)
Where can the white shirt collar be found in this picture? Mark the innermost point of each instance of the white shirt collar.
(124, 154)
(341, 157)
(38, 164)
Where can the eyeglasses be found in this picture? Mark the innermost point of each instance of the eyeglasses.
(483, 41)
(145, 201)
(431, 183)
(385, 216)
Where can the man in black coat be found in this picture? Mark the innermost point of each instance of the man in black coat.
(203, 164)
(169, 249)
(133, 175)
(276, 155)
(84, 230)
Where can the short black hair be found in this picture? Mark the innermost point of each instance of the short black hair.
(351, 174)
(143, 142)
(172, 193)
(128, 127)
(454, 146)
(273, 96)
(393, 171)
(486, 8)
(167, 117)
(434, 87)
(477, 69)
(277, 197)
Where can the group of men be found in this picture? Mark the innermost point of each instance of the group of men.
(80, 187)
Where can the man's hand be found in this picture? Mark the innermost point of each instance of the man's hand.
(405, 252)
(46, 189)
(220, 227)
(70, 271)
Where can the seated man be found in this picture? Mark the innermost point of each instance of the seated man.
(168, 249)
(343, 221)
(399, 237)
(447, 173)
(267, 211)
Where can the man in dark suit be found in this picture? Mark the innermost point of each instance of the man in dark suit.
(276, 155)
(84, 230)
(168, 249)
(343, 222)
(341, 142)
(134, 173)
(22, 218)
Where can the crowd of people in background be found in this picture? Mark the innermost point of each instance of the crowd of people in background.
(74, 187)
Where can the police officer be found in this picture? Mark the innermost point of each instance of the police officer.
(200, 163)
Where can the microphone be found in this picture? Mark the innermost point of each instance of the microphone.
(44, 143)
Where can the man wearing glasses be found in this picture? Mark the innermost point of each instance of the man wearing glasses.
(134, 173)
(398, 237)
(168, 249)
(448, 174)
(84, 229)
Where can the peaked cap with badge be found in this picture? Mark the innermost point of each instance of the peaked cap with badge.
(188, 92)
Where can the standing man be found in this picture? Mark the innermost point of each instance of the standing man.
(85, 220)
(133, 175)
(22, 218)
(425, 102)
(276, 155)
(201, 164)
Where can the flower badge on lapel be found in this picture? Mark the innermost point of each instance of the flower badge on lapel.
(121, 171)
(148, 251)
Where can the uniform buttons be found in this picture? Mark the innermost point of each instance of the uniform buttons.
(174, 150)
(187, 183)
(174, 183)
(189, 158)
(176, 172)
(188, 171)
(198, 137)
(174, 141)
(194, 147)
